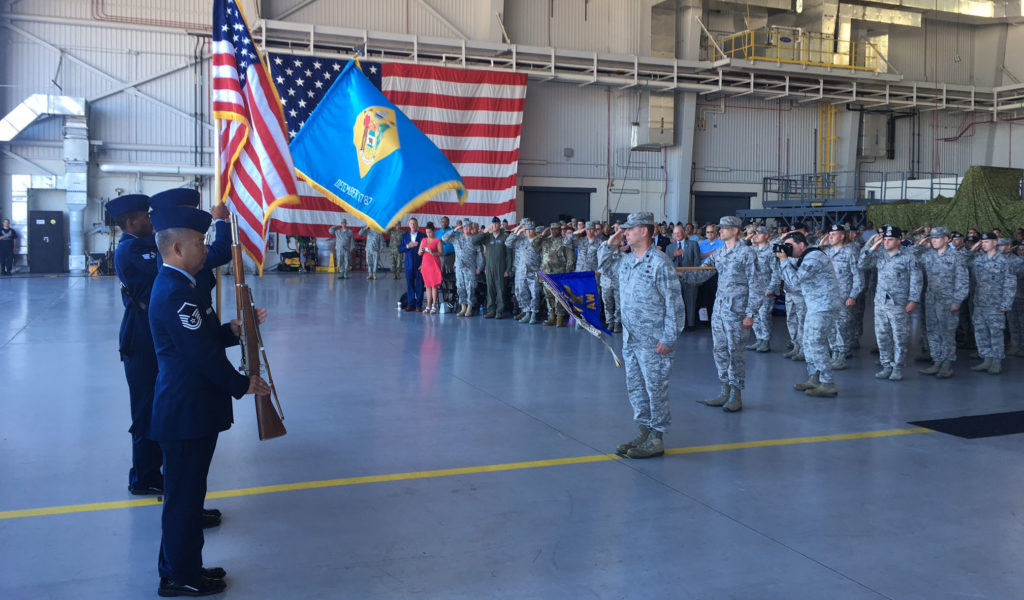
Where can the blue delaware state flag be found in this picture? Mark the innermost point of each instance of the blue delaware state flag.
(359, 150)
(577, 293)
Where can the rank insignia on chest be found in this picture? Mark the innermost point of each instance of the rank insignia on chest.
(190, 316)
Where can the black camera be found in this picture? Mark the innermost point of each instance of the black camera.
(786, 249)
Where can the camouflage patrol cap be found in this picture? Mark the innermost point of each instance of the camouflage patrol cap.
(938, 232)
(556, 226)
(538, 229)
(590, 225)
(729, 221)
(638, 218)
(762, 230)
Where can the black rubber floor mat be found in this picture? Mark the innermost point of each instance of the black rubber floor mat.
(978, 426)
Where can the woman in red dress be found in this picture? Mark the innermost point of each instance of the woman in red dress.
(430, 250)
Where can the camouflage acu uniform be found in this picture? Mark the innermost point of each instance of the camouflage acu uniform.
(767, 278)
(652, 313)
(467, 257)
(850, 280)
(554, 258)
(869, 276)
(899, 283)
(1015, 318)
(374, 244)
(738, 297)
(815, 277)
(527, 261)
(996, 286)
(586, 251)
(609, 271)
(343, 243)
(948, 283)
(395, 257)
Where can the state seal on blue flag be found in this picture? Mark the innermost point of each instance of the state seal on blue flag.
(375, 135)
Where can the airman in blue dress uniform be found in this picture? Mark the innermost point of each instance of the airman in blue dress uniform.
(192, 397)
(135, 262)
(219, 252)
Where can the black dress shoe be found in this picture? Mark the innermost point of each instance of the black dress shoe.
(210, 521)
(211, 511)
(145, 490)
(214, 573)
(204, 587)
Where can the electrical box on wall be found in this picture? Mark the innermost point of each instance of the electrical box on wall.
(874, 138)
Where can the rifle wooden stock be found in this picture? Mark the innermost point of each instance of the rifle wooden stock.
(269, 418)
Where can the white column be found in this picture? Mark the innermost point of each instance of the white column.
(76, 182)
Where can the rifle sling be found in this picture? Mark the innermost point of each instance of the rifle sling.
(139, 305)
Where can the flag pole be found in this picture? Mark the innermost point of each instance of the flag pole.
(216, 189)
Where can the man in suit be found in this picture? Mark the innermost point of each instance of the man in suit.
(409, 246)
(686, 253)
(135, 262)
(661, 237)
(192, 396)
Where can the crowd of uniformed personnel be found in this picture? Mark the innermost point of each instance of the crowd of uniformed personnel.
(961, 291)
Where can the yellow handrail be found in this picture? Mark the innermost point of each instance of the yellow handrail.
(804, 49)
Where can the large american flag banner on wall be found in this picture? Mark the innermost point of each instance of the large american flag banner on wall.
(474, 117)
(257, 174)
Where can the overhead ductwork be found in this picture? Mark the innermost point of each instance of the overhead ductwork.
(859, 12)
(76, 157)
(657, 130)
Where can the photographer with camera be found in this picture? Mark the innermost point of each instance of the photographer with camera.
(810, 271)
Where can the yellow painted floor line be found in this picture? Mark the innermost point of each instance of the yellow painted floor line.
(533, 464)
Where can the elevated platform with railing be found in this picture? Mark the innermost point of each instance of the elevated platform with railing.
(837, 197)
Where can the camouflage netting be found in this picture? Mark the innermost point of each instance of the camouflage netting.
(988, 197)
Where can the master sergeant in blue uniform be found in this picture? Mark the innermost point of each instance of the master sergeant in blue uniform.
(219, 252)
(192, 397)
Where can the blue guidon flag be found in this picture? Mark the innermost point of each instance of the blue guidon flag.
(577, 293)
(360, 151)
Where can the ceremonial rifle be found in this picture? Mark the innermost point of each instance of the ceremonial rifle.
(269, 418)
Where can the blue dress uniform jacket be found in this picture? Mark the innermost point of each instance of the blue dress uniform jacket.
(218, 254)
(196, 381)
(135, 262)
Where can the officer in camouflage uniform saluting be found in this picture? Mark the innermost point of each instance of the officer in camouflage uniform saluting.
(946, 291)
(996, 285)
(737, 301)
(555, 257)
(652, 317)
(896, 295)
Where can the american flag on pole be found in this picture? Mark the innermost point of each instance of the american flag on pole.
(256, 170)
(474, 117)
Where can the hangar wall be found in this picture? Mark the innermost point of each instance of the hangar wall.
(135, 61)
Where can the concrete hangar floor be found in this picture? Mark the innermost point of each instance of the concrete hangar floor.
(431, 456)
